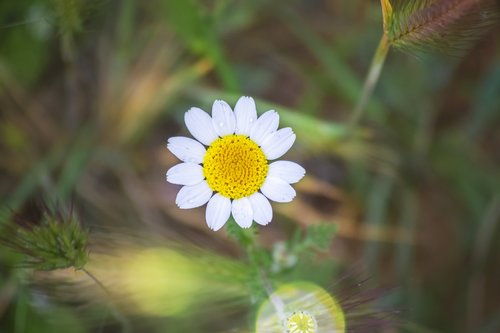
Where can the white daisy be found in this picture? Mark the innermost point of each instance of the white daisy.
(234, 165)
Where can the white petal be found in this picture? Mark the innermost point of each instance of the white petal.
(199, 124)
(278, 143)
(223, 118)
(218, 211)
(185, 174)
(242, 212)
(186, 149)
(246, 115)
(193, 196)
(288, 171)
(262, 210)
(277, 190)
(267, 123)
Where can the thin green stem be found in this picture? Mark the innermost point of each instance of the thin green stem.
(126, 327)
(253, 254)
(371, 80)
(21, 313)
(274, 299)
(248, 239)
(96, 280)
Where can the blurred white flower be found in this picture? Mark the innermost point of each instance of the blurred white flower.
(300, 307)
(235, 165)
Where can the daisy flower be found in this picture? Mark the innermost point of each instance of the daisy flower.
(227, 164)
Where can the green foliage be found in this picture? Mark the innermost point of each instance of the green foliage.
(244, 237)
(70, 17)
(258, 259)
(25, 28)
(194, 26)
(12, 136)
(344, 82)
(31, 181)
(56, 242)
(319, 236)
(30, 317)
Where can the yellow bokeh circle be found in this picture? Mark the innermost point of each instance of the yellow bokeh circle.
(300, 307)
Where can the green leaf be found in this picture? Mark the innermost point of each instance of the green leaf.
(341, 76)
(319, 236)
(23, 54)
(328, 135)
(75, 163)
(197, 31)
(244, 237)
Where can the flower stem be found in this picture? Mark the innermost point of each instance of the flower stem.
(248, 238)
(371, 80)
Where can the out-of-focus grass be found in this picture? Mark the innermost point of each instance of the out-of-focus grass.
(85, 113)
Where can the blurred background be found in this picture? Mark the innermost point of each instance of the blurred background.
(90, 90)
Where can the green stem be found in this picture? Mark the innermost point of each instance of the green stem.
(371, 80)
(21, 312)
(126, 327)
(247, 238)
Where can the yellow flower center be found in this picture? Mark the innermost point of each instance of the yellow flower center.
(235, 166)
(301, 322)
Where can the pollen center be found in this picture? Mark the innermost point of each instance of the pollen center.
(235, 166)
(301, 322)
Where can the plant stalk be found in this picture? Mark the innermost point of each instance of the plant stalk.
(371, 80)
(126, 326)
